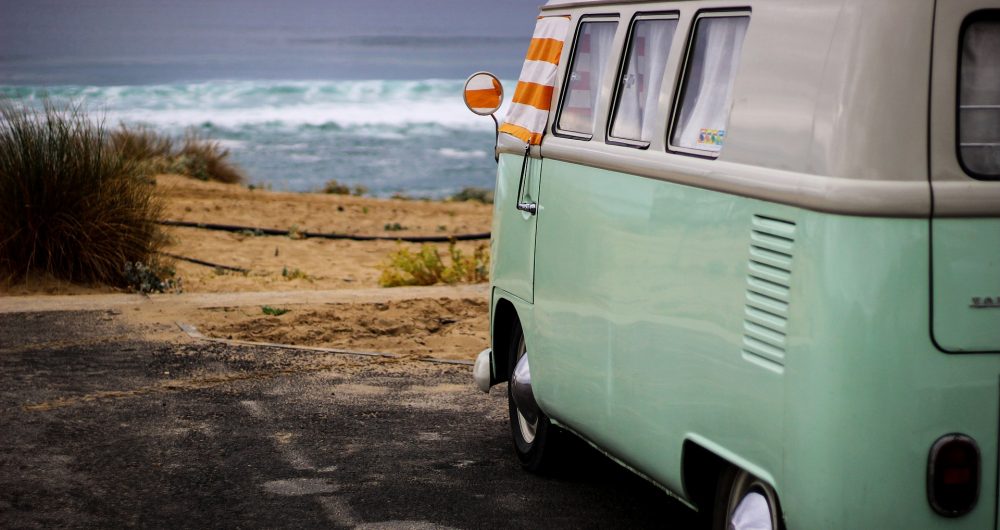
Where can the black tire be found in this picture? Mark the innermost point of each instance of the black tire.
(734, 486)
(534, 444)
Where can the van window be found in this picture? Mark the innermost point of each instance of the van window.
(707, 90)
(640, 81)
(591, 57)
(979, 96)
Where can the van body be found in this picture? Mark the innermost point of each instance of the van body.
(804, 288)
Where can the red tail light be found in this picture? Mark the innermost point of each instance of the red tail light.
(953, 475)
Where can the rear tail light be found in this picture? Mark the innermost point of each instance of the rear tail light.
(953, 475)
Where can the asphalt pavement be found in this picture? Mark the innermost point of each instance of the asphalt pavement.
(101, 428)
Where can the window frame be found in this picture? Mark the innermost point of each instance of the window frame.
(571, 61)
(626, 54)
(970, 19)
(728, 12)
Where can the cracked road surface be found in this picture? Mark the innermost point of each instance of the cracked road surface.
(101, 428)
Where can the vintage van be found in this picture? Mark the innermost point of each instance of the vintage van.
(753, 254)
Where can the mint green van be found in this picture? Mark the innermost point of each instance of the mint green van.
(756, 258)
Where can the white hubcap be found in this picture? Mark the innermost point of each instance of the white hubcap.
(752, 513)
(527, 429)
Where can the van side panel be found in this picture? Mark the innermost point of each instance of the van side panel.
(659, 316)
(640, 294)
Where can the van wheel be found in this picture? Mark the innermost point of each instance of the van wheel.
(744, 502)
(533, 440)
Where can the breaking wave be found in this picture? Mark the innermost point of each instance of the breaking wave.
(333, 105)
(414, 137)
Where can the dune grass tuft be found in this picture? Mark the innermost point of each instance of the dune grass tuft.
(334, 187)
(482, 195)
(193, 156)
(71, 203)
(142, 143)
(206, 159)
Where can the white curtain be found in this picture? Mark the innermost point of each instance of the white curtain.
(642, 79)
(590, 61)
(708, 88)
(601, 36)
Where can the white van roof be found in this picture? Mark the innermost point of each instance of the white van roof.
(573, 3)
(556, 4)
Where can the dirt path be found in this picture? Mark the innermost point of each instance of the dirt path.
(450, 323)
(28, 304)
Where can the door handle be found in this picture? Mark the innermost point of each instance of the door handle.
(521, 205)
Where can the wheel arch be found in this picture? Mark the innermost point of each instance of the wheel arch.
(504, 315)
(702, 465)
(700, 472)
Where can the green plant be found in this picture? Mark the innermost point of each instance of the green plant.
(426, 267)
(468, 269)
(293, 274)
(482, 195)
(273, 311)
(151, 278)
(71, 203)
(394, 227)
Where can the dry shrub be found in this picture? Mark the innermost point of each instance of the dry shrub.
(427, 268)
(142, 143)
(206, 159)
(156, 153)
(334, 187)
(482, 195)
(153, 153)
(71, 204)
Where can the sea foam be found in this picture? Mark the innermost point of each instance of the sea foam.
(287, 104)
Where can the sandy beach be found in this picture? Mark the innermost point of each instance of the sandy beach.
(452, 327)
(323, 264)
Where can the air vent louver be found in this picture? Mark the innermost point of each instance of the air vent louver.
(769, 275)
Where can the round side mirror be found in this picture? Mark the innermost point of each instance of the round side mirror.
(483, 93)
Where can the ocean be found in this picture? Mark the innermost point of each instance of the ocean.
(365, 92)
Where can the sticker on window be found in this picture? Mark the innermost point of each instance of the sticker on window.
(707, 91)
(713, 137)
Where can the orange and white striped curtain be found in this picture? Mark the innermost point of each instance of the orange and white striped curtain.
(529, 110)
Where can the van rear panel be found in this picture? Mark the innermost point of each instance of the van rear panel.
(965, 176)
(966, 284)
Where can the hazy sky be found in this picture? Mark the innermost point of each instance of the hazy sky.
(160, 41)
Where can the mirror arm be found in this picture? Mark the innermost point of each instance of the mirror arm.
(496, 138)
